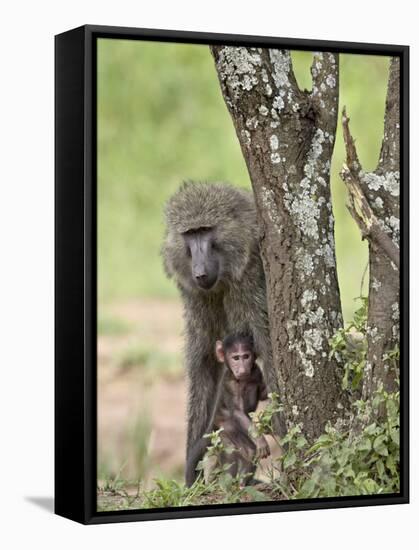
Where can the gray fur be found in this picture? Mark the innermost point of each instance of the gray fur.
(236, 303)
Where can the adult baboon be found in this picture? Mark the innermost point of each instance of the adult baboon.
(211, 249)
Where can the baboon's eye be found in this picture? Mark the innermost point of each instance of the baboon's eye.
(196, 230)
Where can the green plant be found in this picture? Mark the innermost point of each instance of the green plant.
(111, 484)
(346, 459)
(140, 439)
(232, 488)
(170, 493)
(262, 422)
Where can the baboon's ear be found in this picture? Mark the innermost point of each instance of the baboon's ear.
(219, 351)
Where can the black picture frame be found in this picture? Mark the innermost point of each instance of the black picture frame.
(76, 272)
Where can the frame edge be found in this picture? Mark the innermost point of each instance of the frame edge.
(69, 276)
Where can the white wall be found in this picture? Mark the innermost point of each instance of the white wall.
(26, 273)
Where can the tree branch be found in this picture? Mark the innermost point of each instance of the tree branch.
(324, 95)
(366, 219)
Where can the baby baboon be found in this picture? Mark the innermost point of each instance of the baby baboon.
(211, 249)
(239, 391)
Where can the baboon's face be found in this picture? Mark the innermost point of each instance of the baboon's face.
(240, 360)
(205, 259)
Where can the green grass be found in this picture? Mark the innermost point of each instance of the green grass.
(161, 119)
(135, 440)
(169, 493)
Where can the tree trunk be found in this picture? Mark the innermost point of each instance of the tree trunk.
(379, 220)
(287, 138)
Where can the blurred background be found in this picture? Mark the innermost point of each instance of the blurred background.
(161, 120)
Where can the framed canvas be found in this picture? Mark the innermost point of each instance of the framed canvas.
(231, 274)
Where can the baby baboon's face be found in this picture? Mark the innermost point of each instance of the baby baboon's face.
(240, 359)
(205, 260)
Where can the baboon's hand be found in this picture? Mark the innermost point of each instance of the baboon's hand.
(262, 450)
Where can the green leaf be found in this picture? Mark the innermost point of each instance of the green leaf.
(395, 436)
(329, 486)
(392, 409)
(390, 464)
(345, 382)
(356, 380)
(361, 476)
(370, 486)
(342, 457)
(301, 442)
(348, 471)
(365, 444)
(371, 429)
(380, 467)
(226, 481)
(308, 487)
(289, 459)
(380, 445)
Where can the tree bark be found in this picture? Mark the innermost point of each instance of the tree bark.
(287, 137)
(380, 190)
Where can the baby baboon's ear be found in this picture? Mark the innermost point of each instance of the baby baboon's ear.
(219, 351)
